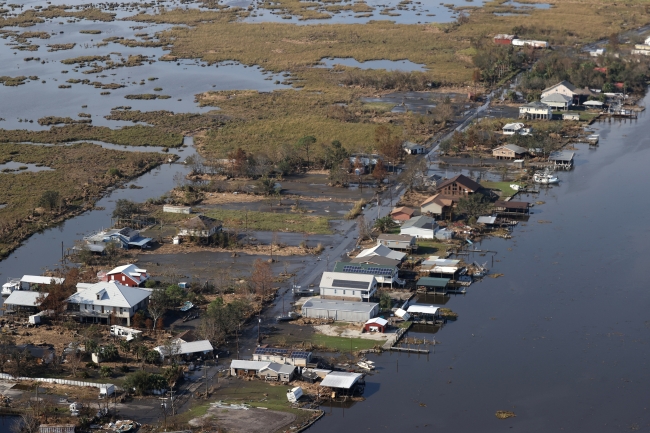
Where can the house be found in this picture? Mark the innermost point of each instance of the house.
(438, 205)
(345, 311)
(535, 110)
(106, 300)
(558, 101)
(127, 275)
(345, 286)
(297, 357)
(56, 428)
(342, 382)
(278, 372)
(34, 282)
(458, 186)
(428, 284)
(200, 226)
(202, 348)
(413, 148)
(376, 325)
(422, 227)
(563, 88)
(376, 260)
(509, 151)
(441, 268)
(239, 367)
(562, 158)
(26, 301)
(382, 273)
(502, 207)
(170, 208)
(397, 242)
(514, 128)
(381, 250)
(403, 213)
(124, 238)
(502, 39)
(571, 116)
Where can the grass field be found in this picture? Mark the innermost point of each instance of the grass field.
(504, 187)
(342, 344)
(430, 247)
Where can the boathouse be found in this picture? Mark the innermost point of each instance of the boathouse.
(433, 284)
(562, 159)
(502, 207)
(343, 382)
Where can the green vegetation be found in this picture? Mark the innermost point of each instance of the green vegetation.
(54, 120)
(343, 344)
(430, 247)
(504, 187)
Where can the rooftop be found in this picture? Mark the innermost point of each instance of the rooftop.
(432, 282)
(389, 237)
(422, 309)
(248, 365)
(421, 222)
(111, 294)
(35, 279)
(463, 181)
(326, 304)
(513, 147)
(403, 209)
(347, 280)
(376, 260)
(341, 379)
(512, 204)
(287, 353)
(24, 298)
(564, 83)
(364, 268)
(280, 368)
(384, 251)
(378, 320)
(561, 155)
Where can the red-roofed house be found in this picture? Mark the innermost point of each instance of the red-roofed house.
(127, 275)
(402, 213)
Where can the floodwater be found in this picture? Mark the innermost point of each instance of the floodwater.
(44, 249)
(21, 167)
(520, 5)
(562, 338)
(389, 65)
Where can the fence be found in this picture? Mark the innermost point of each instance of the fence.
(6, 376)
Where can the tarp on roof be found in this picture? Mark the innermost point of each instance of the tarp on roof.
(341, 379)
(422, 309)
(24, 298)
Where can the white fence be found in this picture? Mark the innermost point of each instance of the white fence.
(6, 376)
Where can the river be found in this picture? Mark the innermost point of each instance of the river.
(562, 338)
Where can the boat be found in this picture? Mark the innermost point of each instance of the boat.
(545, 177)
(11, 285)
(366, 365)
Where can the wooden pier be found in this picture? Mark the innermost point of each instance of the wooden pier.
(409, 350)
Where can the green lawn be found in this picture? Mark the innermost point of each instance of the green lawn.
(343, 344)
(429, 247)
(587, 117)
(504, 187)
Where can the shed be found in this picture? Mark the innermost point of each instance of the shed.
(503, 207)
(278, 372)
(346, 311)
(433, 284)
(377, 324)
(397, 242)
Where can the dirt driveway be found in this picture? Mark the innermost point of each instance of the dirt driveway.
(245, 421)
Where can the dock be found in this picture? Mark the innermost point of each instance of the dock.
(409, 350)
(390, 344)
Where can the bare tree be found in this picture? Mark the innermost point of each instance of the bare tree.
(261, 277)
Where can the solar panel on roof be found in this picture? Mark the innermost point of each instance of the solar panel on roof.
(368, 271)
(350, 284)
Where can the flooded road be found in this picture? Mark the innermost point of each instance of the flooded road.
(562, 338)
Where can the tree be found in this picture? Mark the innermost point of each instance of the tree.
(335, 154)
(109, 352)
(379, 172)
(306, 142)
(142, 382)
(261, 277)
(384, 224)
(125, 208)
(473, 205)
(73, 358)
(125, 347)
(50, 200)
(364, 228)
(175, 294)
(159, 303)
(385, 301)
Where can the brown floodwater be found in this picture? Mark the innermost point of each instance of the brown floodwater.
(562, 338)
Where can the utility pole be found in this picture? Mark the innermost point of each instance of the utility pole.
(259, 324)
(237, 338)
(163, 407)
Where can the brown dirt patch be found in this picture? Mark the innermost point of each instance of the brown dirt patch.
(246, 421)
(185, 248)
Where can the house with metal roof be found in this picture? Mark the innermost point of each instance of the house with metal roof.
(438, 205)
(278, 372)
(21, 300)
(241, 367)
(432, 284)
(413, 148)
(278, 355)
(343, 382)
(382, 273)
(347, 286)
(127, 275)
(563, 88)
(186, 349)
(108, 299)
(345, 311)
(535, 110)
(509, 151)
(562, 158)
(200, 226)
(558, 101)
(423, 227)
(397, 242)
(383, 251)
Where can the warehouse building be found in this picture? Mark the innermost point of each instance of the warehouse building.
(345, 311)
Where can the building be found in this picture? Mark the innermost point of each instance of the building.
(376, 260)
(509, 151)
(422, 227)
(437, 205)
(535, 110)
(127, 275)
(502, 207)
(444, 234)
(376, 325)
(56, 428)
(513, 128)
(344, 383)
(124, 238)
(401, 214)
(571, 116)
(441, 268)
(413, 148)
(186, 349)
(170, 208)
(278, 372)
(458, 186)
(432, 284)
(106, 300)
(558, 101)
(200, 226)
(423, 311)
(562, 158)
(397, 242)
(345, 311)
(487, 220)
(24, 301)
(295, 357)
(382, 273)
(563, 88)
(34, 282)
(502, 39)
(346, 286)
(383, 251)
(239, 367)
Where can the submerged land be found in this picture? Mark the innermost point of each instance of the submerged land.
(285, 123)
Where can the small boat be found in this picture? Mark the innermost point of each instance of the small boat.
(11, 285)
(366, 365)
(545, 177)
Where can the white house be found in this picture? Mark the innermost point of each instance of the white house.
(413, 148)
(108, 298)
(344, 286)
(382, 251)
(558, 100)
(200, 226)
(563, 88)
(423, 227)
(535, 110)
(512, 128)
